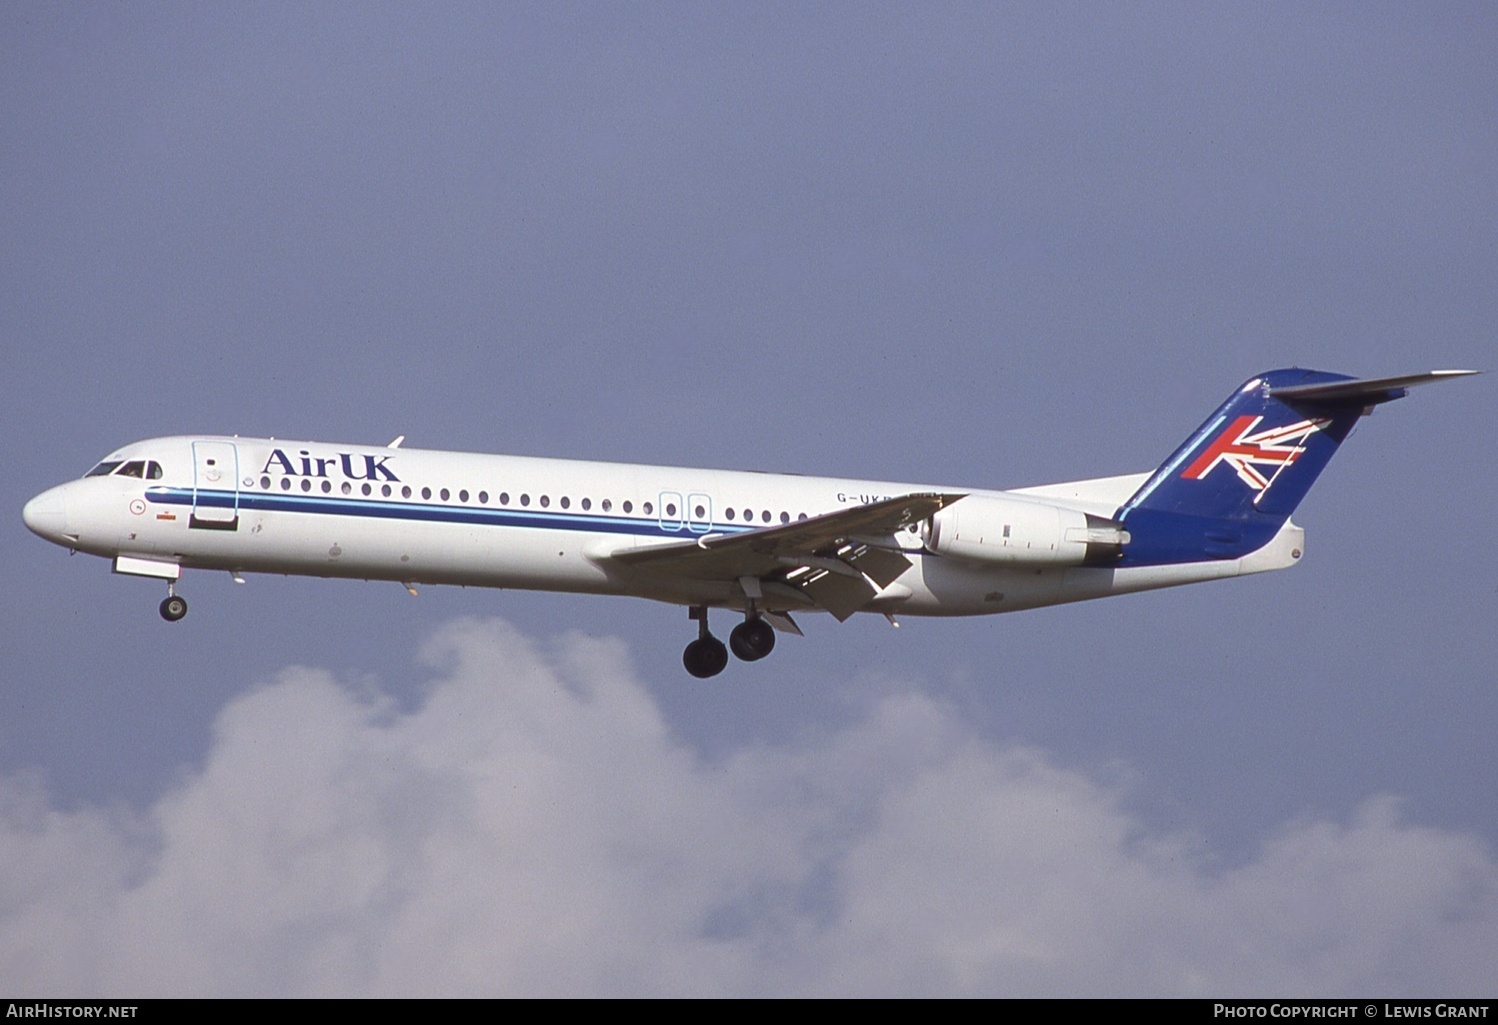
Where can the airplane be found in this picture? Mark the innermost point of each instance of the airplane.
(764, 545)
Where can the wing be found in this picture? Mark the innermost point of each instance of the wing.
(837, 561)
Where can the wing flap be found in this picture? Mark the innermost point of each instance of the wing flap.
(879, 565)
(842, 596)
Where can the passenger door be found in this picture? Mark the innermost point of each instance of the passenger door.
(215, 486)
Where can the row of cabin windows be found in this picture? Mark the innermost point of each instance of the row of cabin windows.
(544, 501)
(764, 516)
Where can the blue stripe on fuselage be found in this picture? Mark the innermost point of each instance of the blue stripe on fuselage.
(372, 508)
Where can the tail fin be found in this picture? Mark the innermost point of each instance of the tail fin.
(1227, 491)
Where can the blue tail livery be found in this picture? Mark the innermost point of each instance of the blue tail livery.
(1231, 486)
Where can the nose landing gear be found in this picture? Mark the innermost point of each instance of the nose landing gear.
(173, 606)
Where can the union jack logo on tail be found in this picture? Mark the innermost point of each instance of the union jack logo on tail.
(1245, 451)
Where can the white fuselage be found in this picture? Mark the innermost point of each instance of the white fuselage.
(265, 506)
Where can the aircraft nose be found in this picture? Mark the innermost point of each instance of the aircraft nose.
(47, 515)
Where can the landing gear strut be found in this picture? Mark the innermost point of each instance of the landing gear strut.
(752, 639)
(706, 656)
(173, 606)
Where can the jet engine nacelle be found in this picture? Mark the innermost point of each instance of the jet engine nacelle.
(1006, 530)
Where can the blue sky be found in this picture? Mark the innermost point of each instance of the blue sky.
(990, 245)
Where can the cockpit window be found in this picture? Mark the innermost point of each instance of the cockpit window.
(149, 469)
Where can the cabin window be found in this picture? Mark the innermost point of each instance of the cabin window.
(265, 483)
(347, 488)
(444, 494)
(670, 509)
(699, 512)
(483, 498)
(504, 498)
(285, 483)
(104, 469)
(366, 489)
(426, 493)
(463, 495)
(765, 516)
(306, 484)
(525, 499)
(406, 491)
(728, 512)
(385, 490)
(564, 502)
(545, 501)
(785, 517)
(327, 486)
(629, 506)
(587, 504)
(607, 505)
(647, 508)
(800, 516)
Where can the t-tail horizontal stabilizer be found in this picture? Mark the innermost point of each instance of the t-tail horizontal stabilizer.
(1356, 392)
(1228, 490)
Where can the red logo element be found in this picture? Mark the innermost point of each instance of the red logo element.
(1245, 451)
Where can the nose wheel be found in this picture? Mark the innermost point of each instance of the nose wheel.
(173, 606)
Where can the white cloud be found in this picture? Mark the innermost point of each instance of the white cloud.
(532, 828)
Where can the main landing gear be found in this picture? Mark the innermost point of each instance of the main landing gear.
(173, 606)
(751, 641)
(706, 656)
